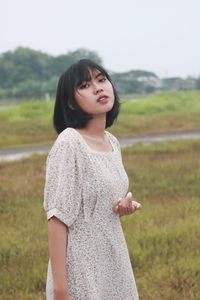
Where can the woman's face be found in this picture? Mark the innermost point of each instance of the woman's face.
(96, 95)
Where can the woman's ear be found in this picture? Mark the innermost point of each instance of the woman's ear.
(70, 106)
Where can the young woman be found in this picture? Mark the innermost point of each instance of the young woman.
(86, 192)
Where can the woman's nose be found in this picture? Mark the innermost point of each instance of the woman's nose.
(97, 88)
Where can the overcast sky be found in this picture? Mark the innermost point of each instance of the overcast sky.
(162, 36)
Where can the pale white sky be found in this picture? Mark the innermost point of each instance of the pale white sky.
(162, 36)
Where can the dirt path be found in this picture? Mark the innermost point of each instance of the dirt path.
(18, 153)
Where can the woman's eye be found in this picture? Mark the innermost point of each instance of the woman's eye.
(84, 85)
(102, 79)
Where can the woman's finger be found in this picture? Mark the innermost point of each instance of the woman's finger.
(122, 209)
(128, 197)
(129, 204)
(136, 204)
(115, 206)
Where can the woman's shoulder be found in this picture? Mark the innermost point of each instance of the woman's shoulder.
(66, 140)
(113, 138)
(67, 135)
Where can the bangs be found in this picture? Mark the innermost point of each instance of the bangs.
(82, 72)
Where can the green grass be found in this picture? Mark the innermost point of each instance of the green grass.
(31, 122)
(28, 123)
(163, 238)
(163, 102)
(157, 113)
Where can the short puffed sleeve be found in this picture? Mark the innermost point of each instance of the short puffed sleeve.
(63, 184)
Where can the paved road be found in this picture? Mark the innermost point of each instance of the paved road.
(18, 153)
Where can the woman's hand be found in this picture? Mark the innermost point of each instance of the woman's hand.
(126, 206)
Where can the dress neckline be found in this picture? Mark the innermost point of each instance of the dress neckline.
(91, 149)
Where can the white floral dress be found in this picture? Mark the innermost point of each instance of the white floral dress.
(81, 186)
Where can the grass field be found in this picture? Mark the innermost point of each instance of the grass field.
(163, 238)
(31, 122)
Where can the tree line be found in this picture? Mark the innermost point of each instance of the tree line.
(27, 73)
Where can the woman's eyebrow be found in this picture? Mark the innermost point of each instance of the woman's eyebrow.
(86, 79)
(98, 74)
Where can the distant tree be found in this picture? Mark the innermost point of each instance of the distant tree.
(149, 89)
(198, 83)
(137, 81)
(22, 64)
(27, 89)
(49, 87)
(84, 53)
(25, 72)
(60, 63)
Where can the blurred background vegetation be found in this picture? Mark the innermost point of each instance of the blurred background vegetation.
(27, 73)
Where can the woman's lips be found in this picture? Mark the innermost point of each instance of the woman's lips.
(102, 99)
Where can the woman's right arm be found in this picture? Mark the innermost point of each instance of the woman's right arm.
(57, 240)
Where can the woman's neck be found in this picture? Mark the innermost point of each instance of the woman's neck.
(95, 127)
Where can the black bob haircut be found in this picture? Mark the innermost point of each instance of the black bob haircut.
(67, 112)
